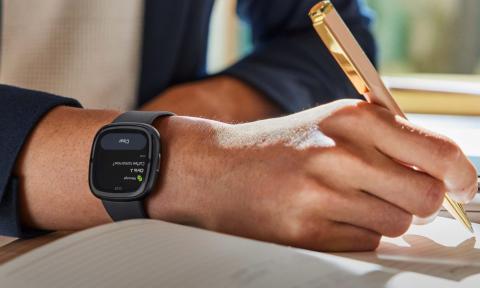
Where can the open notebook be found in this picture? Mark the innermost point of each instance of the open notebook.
(149, 253)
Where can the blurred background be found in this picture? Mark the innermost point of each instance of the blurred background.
(427, 36)
(429, 49)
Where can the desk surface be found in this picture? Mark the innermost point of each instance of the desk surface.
(11, 247)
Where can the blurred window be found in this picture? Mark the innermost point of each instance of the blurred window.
(428, 36)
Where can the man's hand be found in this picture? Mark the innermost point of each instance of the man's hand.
(329, 178)
(221, 98)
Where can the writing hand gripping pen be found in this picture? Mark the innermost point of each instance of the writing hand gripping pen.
(361, 72)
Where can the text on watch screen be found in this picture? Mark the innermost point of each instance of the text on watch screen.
(120, 161)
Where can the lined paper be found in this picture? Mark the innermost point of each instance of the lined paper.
(148, 253)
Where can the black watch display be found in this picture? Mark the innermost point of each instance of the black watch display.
(125, 162)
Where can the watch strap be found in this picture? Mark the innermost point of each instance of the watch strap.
(119, 211)
(141, 116)
(124, 210)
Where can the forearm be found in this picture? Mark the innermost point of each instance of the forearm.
(53, 170)
(221, 98)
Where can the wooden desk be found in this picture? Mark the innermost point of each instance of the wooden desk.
(11, 247)
(437, 94)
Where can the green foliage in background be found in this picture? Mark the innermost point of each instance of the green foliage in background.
(429, 36)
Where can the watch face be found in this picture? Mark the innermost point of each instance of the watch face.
(120, 161)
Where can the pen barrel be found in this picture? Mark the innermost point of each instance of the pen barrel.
(350, 56)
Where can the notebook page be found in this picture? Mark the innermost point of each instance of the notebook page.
(148, 253)
(443, 249)
(464, 130)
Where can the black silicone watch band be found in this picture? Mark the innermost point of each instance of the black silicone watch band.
(141, 116)
(119, 211)
(124, 210)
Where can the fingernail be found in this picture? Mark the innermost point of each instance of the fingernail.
(464, 196)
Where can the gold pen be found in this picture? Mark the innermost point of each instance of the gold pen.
(361, 72)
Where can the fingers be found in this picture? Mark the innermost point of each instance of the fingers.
(434, 154)
(369, 170)
(413, 191)
(369, 125)
(346, 237)
(335, 237)
(367, 211)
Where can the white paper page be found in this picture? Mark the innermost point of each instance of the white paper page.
(464, 130)
(148, 253)
(443, 249)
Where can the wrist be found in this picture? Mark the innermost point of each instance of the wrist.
(177, 196)
(55, 197)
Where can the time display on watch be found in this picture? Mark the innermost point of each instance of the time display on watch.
(120, 161)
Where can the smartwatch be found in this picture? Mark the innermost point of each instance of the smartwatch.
(125, 162)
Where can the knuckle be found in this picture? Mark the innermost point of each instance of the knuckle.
(298, 231)
(348, 110)
(448, 150)
(433, 196)
(371, 111)
(472, 174)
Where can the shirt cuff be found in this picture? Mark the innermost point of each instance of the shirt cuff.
(20, 111)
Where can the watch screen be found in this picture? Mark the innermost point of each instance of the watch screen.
(120, 160)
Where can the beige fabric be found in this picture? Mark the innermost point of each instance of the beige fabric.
(85, 49)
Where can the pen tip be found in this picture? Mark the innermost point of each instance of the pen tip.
(470, 228)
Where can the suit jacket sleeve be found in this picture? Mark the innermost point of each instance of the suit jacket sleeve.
(20, 111)
(289, 63)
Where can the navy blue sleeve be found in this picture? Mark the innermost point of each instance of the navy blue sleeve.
(20, 110)
(289, 63)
